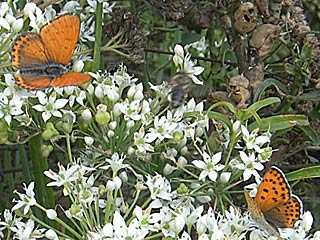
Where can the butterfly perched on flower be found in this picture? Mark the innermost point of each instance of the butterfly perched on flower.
(42, 58)
(274, 206)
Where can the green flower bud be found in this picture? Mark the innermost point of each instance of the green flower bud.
(3, 131)
(50, 131)
(182, 189)
(102, 118)
(46, 150)
(66, 123)
(177, 136)
(75, 209)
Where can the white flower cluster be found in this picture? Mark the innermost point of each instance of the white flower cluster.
(125, 115)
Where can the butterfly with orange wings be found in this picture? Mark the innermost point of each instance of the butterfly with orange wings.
(42, 58)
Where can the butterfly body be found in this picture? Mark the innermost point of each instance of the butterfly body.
(51, 70)
(274, 206)
(42, 58)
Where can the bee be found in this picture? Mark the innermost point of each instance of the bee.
(180, 86)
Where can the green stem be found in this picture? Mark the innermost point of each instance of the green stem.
(98, 34)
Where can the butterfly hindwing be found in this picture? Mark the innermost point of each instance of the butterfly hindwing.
(286, 214)
(69, 79)
(273, 190)
(60, 37)
(33, 82)
(28, 51)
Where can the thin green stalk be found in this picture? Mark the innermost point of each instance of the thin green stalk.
(69, 148)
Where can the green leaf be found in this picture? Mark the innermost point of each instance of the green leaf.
(228, 105)
(269, 82)
(280, 122)
(255, 107)
(303, 173)
(220, 117)
(312, 95)
(311, 133)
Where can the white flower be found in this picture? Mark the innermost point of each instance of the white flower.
(29, 10)
(105, 90)
(115, 163)
(135, 92)
(70, 6)
(142, 141)
(163, 128)
(4, 8)
(198, 45)
(78, 66)
(76, 94)
(122, 231)
(131, 111)
(212, 223)
(26, 231)
(26, 200)
(63, 177)
(9, 221)
(159, 187)
(106, 7)
(146, 219)
(252, 140)
(307, 221)
(249, 166)
(210, 166)
(185, 65)
(10, 108)
(49, 106)
(225, 177)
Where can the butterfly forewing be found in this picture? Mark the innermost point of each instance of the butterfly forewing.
(258, 216)
(28, 51)
(60, 38)
(273, 190)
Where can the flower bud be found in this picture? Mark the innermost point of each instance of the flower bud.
(46, 150)
(110, 134)
(3, 131)
(110, 185)
(130, 124)
(118, 182)
(17, 25)
(49, 132)
(78, 66)
(50, 234)
(168, 169)
(66, 123)
(177, 136)
(113, 125)
(51, 214)
(88, 140)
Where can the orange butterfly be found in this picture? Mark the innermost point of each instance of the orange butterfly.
(274, 206)
(42, 58)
